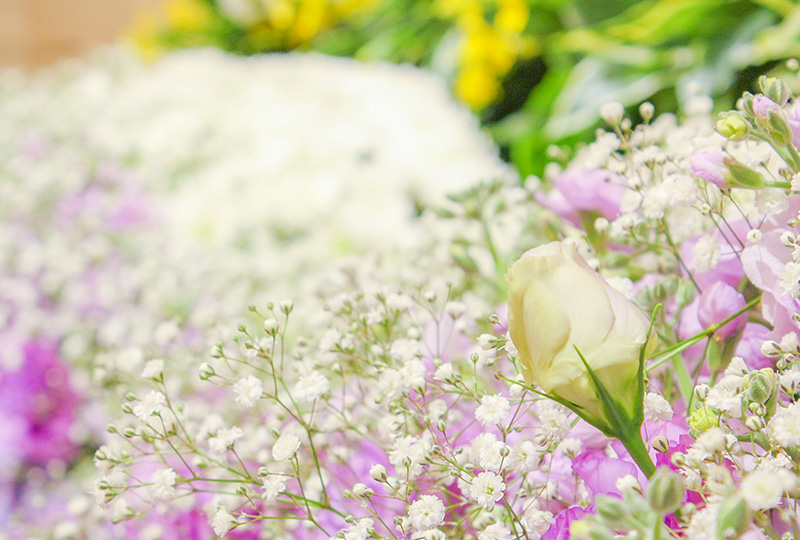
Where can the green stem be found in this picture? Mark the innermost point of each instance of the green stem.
(633, 443)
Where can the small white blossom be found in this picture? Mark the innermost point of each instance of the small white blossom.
(153, 369)
(310, 386)
(248, 391)
(285, 447)
(444, 372)
(754, 236)
(486, 450)
(360, 530)
(612, 112)
(656, 407)
(624, 483)
(427, 512)
(224, 438)
(492, 410)
(771, 201)
(524, 456)
(152, 403)
(790, 280)
(762, 490)
(222, 522)
(273, 485)
(784, 427)
(495, 531)
(553, 419)
(162, 484)
(706, 253)
(487, 488)
(378, 472)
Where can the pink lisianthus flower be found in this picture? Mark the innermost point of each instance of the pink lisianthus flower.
(560, 529)
(581, 190)
(719, 302)
(762, 106)
(600, 472)
(710, 166)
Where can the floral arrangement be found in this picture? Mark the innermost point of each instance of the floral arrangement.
(609, 351)
(640, 382)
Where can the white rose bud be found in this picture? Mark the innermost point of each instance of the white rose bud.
(557, 304)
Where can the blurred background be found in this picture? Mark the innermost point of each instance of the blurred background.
(36, 33)
(535, 72)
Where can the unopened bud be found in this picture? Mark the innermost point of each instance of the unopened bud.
(733, 518)
(770, 349)
(732, 126)
(742, 176)
(378, 472)
(665, 492)
(760, 386)
(612, 510)
(660, 444)
(701, 392)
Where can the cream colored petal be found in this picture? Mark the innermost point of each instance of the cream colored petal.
(547, 327)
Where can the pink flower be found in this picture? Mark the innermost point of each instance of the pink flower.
(719, 302)
(710, 166)
(600, 472)
(581, 191)
(560, 529)
(762, 106)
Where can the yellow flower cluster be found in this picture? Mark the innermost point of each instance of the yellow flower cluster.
(267, 24)
(489, 48)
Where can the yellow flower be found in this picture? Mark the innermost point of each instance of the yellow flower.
(477, 86)
(188, 15)
(557, 304)
(512, 16)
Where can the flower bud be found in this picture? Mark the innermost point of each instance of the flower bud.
(742, 176)
(665, 492)
(703, 419)
(612, 112)
(378, 472)
(770, 349)
(612, 510)
(760, 385)
(733, 518)
(557, 304)
(732, 126)
(660, 444)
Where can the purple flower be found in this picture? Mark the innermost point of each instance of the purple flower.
(762, 106)
(39, 402)
(719, 302)
(581, 190)
(600, 472)
(710, 166)
(560, 529)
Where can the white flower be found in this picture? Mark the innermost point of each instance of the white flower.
(486, 451)
(222, 522)
(273, 485)
(627, 482)
(378, 472)
(553, 419)
(162, 484)
(706, 253)
(762, 490)
(248, 391)
(444, 372)
(495, 531)
(656, 407)
(784, 427)
(224, 438)
(492, 410)
(770, 201)
(487, 488)
(310, 386)
(152, 404)
(360, 530)
(524, 455)
(790, 280)
(612, 112)
(411, 450)
(153, 369)
(285, 447)
(427, 512)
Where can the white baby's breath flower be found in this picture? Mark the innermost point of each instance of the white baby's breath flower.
(285, 447)
(492, 410)
(553, 419)
(762, 490)
(656, 407)
(273, 485)
(784, 427)
(153, 369)
(495, 531)
(624, 483)
(444, 372)
(487, 488)
(612, 112)
(524, 456)
(248, 391)
(222, 521)
(162, 484)
(706, 253)
(427, 512)
(487, 451)
(152, 403)
(224, 438)
(360, 530)
(310, 386)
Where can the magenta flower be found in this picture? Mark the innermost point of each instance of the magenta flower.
(560, 529)
(719, 302)
(710, 166)
(38, 400)
(600, 472)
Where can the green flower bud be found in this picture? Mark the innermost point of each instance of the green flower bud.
(612, 510)
(703, 418)
(665, 492)
(774, 89)
(732, 126)
(760, 385)
(733, 518)
(742, 176)
(778, 129)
